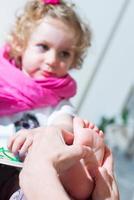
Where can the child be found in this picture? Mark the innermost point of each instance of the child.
(47, 41)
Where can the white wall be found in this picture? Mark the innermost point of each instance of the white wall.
(8, 10)
(108, 70)
(111, 57)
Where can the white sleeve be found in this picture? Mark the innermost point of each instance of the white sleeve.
(64, 107)
(5, 132)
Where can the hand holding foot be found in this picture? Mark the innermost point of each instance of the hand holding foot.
(105, 183)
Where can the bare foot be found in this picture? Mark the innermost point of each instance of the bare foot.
(88, 134)
(77, 180)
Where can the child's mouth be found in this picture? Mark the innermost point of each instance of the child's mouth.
(48, 74)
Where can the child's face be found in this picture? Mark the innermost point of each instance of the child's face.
(49, 51)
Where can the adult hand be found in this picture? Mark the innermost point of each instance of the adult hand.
(105, 183)
(48, 156)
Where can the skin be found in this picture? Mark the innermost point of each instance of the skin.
(86, 133)
(75, 180)
(106, 186)
(49, 51)
(59, 157)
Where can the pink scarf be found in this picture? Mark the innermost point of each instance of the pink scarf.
(18, 92)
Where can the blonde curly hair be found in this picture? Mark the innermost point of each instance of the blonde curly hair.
(32, 14)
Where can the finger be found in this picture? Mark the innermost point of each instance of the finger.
(100, 175)
(13, 137)
(25, 147)
(67, 136)
(73, 154)
(10, 142)
(108, 160)
(18, 144)
(90, 160)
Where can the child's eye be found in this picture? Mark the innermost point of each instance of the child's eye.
(65, 54)
(43, 47)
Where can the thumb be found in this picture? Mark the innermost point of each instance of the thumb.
(67, 136)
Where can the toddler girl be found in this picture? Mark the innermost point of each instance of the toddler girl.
(48, 40)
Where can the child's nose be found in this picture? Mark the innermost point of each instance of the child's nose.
(51, 58)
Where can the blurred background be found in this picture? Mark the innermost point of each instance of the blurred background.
(105, 82)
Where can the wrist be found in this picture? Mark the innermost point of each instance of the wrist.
(39, 185)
